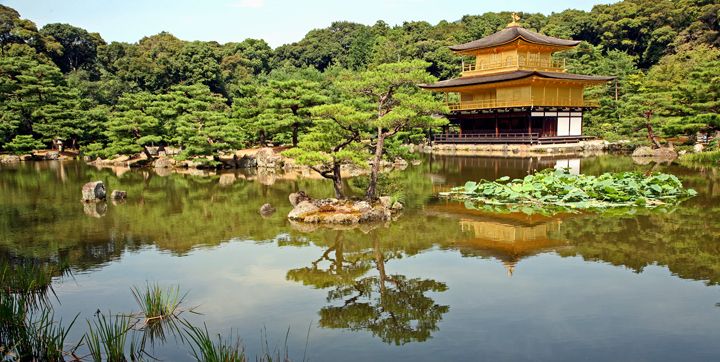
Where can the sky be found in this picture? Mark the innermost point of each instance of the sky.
(277, 21)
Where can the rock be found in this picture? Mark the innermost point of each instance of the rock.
(267, 158)
(302, 209)
(362, 206)
(163, 162)
(93, 191)
(662, 152)
(665, 153)
(298, 197)
(682, 152)
(52, 155)
(9, 159)
(643, 152)
(339, 212)
(415, 162)
(246, 162)
(120, 160)
(400, 162)
(397, 206)
(118, 195)
(266, 209)
(27, 158)
(386, 201)
(698, 148)
(376, 214)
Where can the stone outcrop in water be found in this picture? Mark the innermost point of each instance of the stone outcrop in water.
(93, 191)
(118, 195)
(266, 210)
(662, 152)
(297, 197)
(267, 158)
(646, 155)
(9, 158)
(344, 212)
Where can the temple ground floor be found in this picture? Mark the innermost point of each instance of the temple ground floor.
(505, 126)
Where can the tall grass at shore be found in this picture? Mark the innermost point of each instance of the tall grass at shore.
(709, 158)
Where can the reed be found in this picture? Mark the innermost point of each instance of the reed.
(28, 329)
(106, 337)
(205, 348)
(708, 158)
(157, 303)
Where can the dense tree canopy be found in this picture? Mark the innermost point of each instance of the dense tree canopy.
(65, 82)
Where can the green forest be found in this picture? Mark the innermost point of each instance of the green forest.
(326, 92)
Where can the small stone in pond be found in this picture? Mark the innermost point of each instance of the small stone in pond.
(118, 195)
(266, 209)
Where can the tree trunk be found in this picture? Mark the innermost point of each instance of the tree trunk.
(295, 127)
(147, 153)
(371, 193)
(262, 138)
(337, 181)
(651, 135)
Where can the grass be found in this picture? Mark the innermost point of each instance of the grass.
(107, 336)
(35, 336)
(709, 158)
(28, 330)
(205, 348)
(157, 303)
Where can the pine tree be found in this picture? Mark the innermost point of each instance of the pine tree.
(335, 139)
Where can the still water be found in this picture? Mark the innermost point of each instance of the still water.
(439, 283)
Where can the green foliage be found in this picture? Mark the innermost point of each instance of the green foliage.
(79, 48)
(22, 144)
(35, 99)
(558, 190)
(65, 82)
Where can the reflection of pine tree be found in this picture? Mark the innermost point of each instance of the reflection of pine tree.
(390, 306)
(342, 270)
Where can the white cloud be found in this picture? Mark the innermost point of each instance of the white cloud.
(254, 4)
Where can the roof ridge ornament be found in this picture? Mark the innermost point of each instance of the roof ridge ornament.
(515, 20)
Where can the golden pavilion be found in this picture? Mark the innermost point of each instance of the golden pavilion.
(515, 92)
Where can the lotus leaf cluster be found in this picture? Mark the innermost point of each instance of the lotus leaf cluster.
(557, 190)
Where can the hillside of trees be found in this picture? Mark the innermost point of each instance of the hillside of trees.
(63, 82)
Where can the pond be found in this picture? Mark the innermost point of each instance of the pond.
(439, 283)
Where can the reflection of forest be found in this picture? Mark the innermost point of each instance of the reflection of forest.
(40, 217)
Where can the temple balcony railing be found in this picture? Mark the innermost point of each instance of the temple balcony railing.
(514, 63)
(499, 103)
(505, 137)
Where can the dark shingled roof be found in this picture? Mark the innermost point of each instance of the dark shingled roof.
(509, 34)
(502, 77)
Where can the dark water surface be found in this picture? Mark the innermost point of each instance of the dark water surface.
(439, 283)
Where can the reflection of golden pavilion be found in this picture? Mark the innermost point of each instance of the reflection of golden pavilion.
(506, 237)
